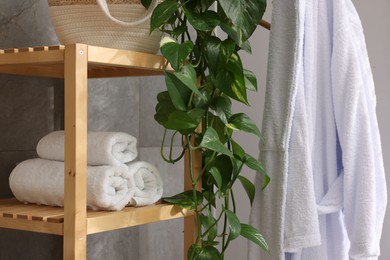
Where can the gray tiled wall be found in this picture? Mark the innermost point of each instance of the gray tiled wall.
(32, 107)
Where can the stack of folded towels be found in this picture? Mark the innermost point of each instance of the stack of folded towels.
(114, 179)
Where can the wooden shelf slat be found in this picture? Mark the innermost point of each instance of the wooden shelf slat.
(40, 218)
(101, 221)
(48, 61)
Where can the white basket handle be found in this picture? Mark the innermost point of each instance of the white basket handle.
(104, 7)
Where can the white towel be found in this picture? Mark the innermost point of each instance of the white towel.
(42, 181)
(145, 182)
(104, 148)
(322, 146)
(269, 207)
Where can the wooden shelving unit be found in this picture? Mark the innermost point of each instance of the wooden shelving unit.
(76, 63)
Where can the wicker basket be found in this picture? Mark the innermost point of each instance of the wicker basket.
(120, 24)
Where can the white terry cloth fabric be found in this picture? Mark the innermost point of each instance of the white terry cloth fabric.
(332, 112)
(145, 182)
(285, 54)
(41, 181)
(104, 148)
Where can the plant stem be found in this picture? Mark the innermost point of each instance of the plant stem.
(215, 223)
(170, 160)
(233, 201)
(226, 206)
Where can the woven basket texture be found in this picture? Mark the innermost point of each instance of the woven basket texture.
(87, 24)
(89, 2)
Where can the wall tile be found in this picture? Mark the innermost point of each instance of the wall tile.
(121, 244)
(26, 111)
(151, 133)
(24, 245)
(163, 240)
(113, 105)
(25, 23)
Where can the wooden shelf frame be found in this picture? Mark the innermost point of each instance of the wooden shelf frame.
(76, 63)
(46, 219)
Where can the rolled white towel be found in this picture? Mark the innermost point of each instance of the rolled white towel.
(145, 181)
(104, 148)
(42, 181)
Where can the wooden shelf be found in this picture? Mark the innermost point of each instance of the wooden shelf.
(76, 63)
(48, 61)
(46, 219)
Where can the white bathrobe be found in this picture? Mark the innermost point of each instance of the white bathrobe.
(327, 196)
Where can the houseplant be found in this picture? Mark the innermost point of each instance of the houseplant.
(207, 76)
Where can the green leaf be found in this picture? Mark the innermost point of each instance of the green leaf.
(222, 106)
(253, 163)
(204, 4)
(146, 3)
(246, 46)
(243, 122)
(250, 80)
(162, 13)
(237, 150)
(164, 107)
(176, 53)
(234, 33)
(187, 76)
(179, 93)
(213, 50)
(208, 195)
(216, 123)
(249, 188)
(257, 166)
(184, 122)
(211, 141)
(205, 21)
(214, 172)
(244, 14)
(230, 79)
(193, 251)
(209, 253)
(218, 53)
(252, 234)
(185, 199)
(208, 222)
(225, 167)
(202, 100)
(234, 224)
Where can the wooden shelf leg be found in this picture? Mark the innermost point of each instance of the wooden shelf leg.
(190, 227)
(75, 222)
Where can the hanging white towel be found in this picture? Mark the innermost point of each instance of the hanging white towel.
(41, 181)
(285, 55)
(145, 182)
(321, 138)
(104, 148)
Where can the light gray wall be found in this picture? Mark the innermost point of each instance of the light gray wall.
(376, 22)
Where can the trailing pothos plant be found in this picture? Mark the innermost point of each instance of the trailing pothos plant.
(207, 75)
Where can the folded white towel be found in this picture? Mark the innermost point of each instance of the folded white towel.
(42, 181)
(104, 148)
(145, 181)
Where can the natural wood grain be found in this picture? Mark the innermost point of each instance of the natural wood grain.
(131, 216)
(97, 221)
(123, 58)
(75, 223)
(190, 226)
(48, 71)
